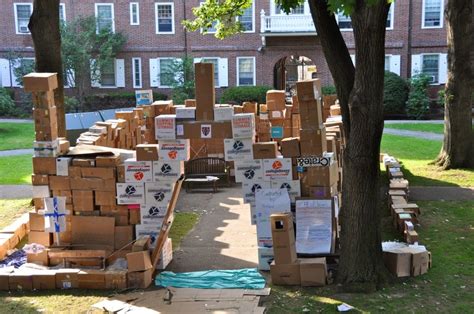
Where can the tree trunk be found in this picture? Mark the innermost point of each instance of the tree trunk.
(44, 27)
(361, 265)
(458, 145)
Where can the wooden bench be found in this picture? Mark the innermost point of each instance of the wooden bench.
(200, 168)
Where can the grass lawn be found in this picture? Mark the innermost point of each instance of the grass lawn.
(16, 169)
(416, 154)
(16, 135)
(423, 127)
(447, 231)
(13, 209)
(183, 223)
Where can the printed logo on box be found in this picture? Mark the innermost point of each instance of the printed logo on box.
(247, 170)
(277, 132)
(138, 171)
(250, 188)
(293, 187)
(152, 213)
(206, 131)
(158, 193)
(175, 150)
(237, 149)
(277, 169)
(130, 193)
(313, 161)
(167, 170)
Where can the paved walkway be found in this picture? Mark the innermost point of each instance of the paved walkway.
(16, 152)
(16, 120)
(418, 134)
(16, 191)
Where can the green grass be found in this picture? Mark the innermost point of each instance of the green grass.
(183, 223)
(447, 231)
(16, 135)
(16, 169)
(13, 209)
(416, 154)
(422, 127)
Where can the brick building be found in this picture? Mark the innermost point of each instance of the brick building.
(276, 50)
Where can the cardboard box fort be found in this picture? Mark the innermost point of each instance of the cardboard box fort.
(158, 193)
(238, 149)
(292, 186)
(223, 113)
(290, 147)
(276, 99)
(139, 261)
(250, 187)
(147, 152)
(130, 193)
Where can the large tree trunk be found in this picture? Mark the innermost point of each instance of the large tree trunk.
(458, 146)
(44, 27)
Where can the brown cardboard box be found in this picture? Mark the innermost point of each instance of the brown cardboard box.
(205, 91)
(285, 274)
(313, 271)
(98, 172)
(91, 279)
(312, 142)
(276, 99)
(320, 176)
(140, 279)
(147, 152)
(45, 118)
(311, 115)
(116, 279)
(39, 259)
(44, 165)
(36, 221)
(40, 82)
(40, 237)
(190, 102)
(65, 193)
(93, 229)
(398, 262)
(83, 162)
(105, 198)
(134, 216)
(67, 278)
(319, 192)
(218, 130)
(308, 90)
(83, 200)
(74, 172)
(20, 281)
(123, 236)
(290, 147)
(39, 179)
(44, 280)
(139, 261)
(141, 244)
(249, 107)
(296, 106)
(108, 185)
(283, 235)
(4, 281)
(87, 184)
(43, 99)
(265, 150)
(59, 183)
(107, 161)
(421, 262)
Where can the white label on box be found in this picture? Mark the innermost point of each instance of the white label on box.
(293, 187)
(138, 171)
(151, 212)
(185, 113)
(40, 191)
(276, 114)
(277, 169)
(314, 226)
(167, 170)
(62, 166)
(206, 131)
(223, 113)
(268, 202)
(158, 193)
(130, 193)
(238, 149)
(265, 258)
(179, 129)
(165, 127)
(250, 187)
(174, 150)
(248, 170)
(243, 125)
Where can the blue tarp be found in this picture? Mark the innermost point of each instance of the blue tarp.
(248, 278)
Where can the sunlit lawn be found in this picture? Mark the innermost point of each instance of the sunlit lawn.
(16, 169)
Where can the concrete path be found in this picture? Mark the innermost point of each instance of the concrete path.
(441, 193)
(16, 191)
(223, 238)
(418, 134)
(16, 152)
(16, 120)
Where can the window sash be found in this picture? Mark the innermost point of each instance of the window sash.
(134, 14)
(387, 63)
(104, 17)
(107, 74)
(167, 76)
(432, 13)
(165, 18)
(246, 67)
(247, 19)
(430, 67)
(215, 61)
(23, 13)
(137, 73)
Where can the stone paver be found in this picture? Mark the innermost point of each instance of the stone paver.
(16, 152)
(417, 134)
(16, 191)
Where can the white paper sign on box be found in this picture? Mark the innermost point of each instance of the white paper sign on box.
(55, 214)
(158, 193)
(130, 193)
(243, 125)
(138, 171)
(166, 171)
(62, 166)
(165, 127)
(248, 170)
(314, 226)
(265, 258)
(268, 202)
(238, 149)
(250, 187)
(292, 186)
(277, 169)
(174, 150)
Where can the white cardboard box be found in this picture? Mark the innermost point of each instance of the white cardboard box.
(138, 171)
(265, 258)
(167, 170)
(223, 113)
(277, 169)
(248, 170)
(165, 127)
(40, 191)
(188, 113)
(250, 187)
(292, 186)
(238, 149)
(130, 193)
(62, 166)
(243, 125)
(158, 193)
(150, 212)
(174, 150)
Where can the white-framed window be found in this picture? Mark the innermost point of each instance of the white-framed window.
(109, 75)
(221, 70)
(392, 63)
(430, 67)
(137, 72)
(23, 12)
(386, 65)
(62, 12)
(26, 62)
(299, 10)
(246, 71)
(432, 14)
(212, 29)
(390, 17)
(166, 75)
(248, 19)
(104, 14)
(214, 61)
(435, 65)
(344, 22)
(134, 13)
(164, 18)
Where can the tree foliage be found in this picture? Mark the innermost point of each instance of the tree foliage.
(7, 106)
(20, 65)
(395, 94)
(418, 104)
(183, 79)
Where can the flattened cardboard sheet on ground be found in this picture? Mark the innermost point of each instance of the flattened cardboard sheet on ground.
(92, 150)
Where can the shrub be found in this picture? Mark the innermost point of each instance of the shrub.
(418, 103)
(240, 94)
(7, 106)
(328, 90)
(395, 94)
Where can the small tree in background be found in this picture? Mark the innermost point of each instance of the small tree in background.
(418, 104)
(182, 70)
(395, 94)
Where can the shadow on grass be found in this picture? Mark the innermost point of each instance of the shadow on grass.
(415, 180)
